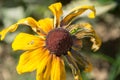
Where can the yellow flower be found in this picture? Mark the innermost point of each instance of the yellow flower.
(56, 40)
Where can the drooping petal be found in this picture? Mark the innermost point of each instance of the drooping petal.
(42, 65)
(73, 66)
(57, 11)
(58, 70)
(86, 30)
(3, 33)
(75, 12)
(25, 41)
(96, 42)
(29, 60)
(81, 60)
(46, 24)
(26, 21)
(32, 23)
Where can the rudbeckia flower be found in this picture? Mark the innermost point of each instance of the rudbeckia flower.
(56, 41)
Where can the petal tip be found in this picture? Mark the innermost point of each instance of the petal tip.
(18, 70)
(13, 47)
(96, 43)
(91, 15)
(2, 36)
(56, 9)
(55, 4)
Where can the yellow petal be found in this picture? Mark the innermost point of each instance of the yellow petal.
(26, 21)
(25, 41)
(55, 72)
(42, 65)
(57, 11)
(62, 70)
(29, 60)
(86, 30)
(12, 28)
(47, 71)
(46, 24)
(32, 23)
(96, 42)
(39, 76)
(53, 67)
(77, 11)
(58, 69)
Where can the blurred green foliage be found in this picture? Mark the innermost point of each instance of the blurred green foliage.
(13, 10)
(105, 1)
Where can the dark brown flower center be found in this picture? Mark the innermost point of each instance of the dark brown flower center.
(59, 41)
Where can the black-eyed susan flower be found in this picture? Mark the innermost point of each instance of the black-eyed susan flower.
(55, 40)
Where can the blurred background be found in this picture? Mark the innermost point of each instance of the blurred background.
(106, 61)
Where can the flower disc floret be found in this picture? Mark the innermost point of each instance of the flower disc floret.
(59, 41)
